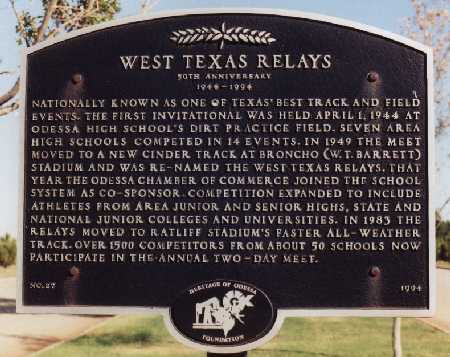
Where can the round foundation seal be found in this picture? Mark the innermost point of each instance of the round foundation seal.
(223, 313)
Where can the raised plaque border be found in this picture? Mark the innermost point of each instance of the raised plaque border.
(282, 313)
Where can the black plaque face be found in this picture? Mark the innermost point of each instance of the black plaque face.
(285, 153)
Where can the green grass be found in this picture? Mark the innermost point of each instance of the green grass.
(443, 264)
(125, 336)
(8, 272)
(299, 337)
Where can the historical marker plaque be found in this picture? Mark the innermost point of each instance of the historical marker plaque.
(228, 169)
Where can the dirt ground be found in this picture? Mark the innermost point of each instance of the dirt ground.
(23, 334)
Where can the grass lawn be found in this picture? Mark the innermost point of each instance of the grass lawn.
(299, 337)
(443, 264)
(8, 272)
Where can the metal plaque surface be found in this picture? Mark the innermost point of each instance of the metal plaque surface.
(227, 169)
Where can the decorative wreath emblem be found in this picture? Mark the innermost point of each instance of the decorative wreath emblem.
(232, 35)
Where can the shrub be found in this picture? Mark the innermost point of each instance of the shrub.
(8, 250)
(443, 241)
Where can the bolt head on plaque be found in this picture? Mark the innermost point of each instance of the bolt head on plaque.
(223, 313)
(374, 271)
(77, 78)
(373, 76)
